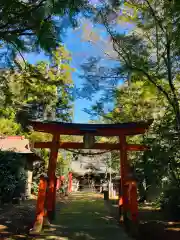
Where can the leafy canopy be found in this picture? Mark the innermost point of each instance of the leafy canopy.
(33, 25)
(43, 89)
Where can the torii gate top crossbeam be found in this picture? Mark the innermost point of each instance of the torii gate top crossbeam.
(131, 128)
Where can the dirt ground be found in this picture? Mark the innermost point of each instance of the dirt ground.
(16, 220)
(81, 216)
(152, 223)
(154, 226)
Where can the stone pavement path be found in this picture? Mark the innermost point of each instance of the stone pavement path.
(84, 217)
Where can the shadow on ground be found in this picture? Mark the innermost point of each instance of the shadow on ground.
(153, 224)
(82, 217)
(15, 220)
(85, 218)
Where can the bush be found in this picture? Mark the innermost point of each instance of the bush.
(170, 202)
(12, 175)
(35, 187)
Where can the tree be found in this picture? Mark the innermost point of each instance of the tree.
(33, 25)
(38, 91)
(41, 91)
(12, 175)
(142, 102)
(148, 57)
(151, 49)
(137, 102)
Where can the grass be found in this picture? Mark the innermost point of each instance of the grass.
(81, 217)
(87, 218)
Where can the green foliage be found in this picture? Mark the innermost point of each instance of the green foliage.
(150, 50)
(63, 163)
(147, 60)
(142, 101)
(38, 91)
(35, 187)
(9, 127)
(170, 202)
(41, 91)
(137, 102)
(38, 170)
(32, 25)
(12, 177)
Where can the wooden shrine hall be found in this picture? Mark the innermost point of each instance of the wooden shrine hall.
(47, 187)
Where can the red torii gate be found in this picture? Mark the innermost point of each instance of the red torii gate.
(128, 185)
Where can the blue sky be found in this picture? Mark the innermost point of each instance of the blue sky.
(80, 51)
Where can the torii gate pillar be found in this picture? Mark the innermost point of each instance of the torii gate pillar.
(128, 204)
(124, 172)
(51, 193)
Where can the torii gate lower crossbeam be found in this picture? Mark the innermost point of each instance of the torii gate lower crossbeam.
(128, 203)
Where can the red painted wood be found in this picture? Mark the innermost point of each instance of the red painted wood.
(51, 174)
(132, 198)
(105, 146)
(100, 130)
(137, 147)
(58, 183)
(121, 130)
(133, 202)
(54, 198)
(40, 208)
(124, 173)
(70, 182)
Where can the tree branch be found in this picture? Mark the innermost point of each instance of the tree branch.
(159, 87)
(155, 17)
(172, 87)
